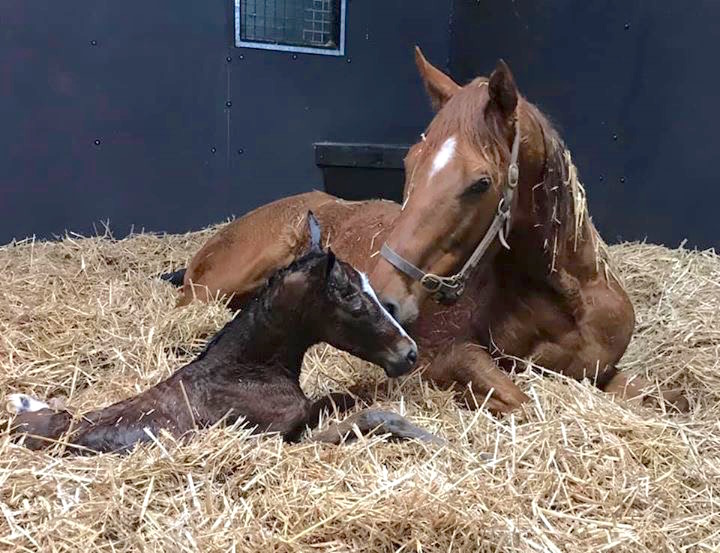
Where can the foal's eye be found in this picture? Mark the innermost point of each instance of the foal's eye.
(480, 186)
(354, 303)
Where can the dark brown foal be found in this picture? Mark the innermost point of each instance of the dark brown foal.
(251, 368)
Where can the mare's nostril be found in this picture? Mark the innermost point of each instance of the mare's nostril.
(411, 356)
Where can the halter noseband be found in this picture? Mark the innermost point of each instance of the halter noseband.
(450, 288)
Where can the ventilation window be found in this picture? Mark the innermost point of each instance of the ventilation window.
(308, 26)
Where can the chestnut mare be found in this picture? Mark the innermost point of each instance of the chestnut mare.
(494, 226)
(251, 368)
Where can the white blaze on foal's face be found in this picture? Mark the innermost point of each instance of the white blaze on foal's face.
(443, 156)
(368, 289)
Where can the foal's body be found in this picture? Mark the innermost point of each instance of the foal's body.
(251, 368)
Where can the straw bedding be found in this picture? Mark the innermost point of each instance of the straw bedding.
(574, 470)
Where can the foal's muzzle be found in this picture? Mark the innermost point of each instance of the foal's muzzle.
(401, 361)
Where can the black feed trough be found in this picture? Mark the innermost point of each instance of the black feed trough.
(362, 171)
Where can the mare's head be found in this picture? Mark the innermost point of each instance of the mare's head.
(340, 307)
(456, 183)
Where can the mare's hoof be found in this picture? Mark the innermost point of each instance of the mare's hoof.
(496, 404)
(676, 400)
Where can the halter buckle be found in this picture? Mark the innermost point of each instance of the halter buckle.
(513, 175)
(443, 289)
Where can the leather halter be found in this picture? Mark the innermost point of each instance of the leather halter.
(450, 288)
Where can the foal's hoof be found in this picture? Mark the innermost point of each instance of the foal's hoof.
(397, 426)
(23, 403)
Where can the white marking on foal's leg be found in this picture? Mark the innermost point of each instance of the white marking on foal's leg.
(23, 403)
(444, 155)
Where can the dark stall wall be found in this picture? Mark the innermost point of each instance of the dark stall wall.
(119, 110)
(632, 86)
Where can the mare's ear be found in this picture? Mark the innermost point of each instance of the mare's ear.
(503, 92)
(315, 233)
(439, 86)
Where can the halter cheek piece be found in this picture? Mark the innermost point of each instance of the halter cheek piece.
(450, 288)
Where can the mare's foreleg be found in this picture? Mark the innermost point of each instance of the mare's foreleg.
(472, 371)
(640, 389)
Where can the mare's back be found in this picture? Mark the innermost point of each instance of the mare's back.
(243, 254)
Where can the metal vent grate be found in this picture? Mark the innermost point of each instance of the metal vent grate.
(315, 26)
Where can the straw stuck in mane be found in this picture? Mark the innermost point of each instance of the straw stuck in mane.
(564, 211)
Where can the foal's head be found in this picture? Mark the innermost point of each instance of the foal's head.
(340, 307)
(456, 178)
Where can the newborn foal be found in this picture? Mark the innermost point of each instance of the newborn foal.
(251, 368)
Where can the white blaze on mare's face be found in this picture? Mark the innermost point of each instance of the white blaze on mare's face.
(368, 289)
(25, 404)
(444, 155)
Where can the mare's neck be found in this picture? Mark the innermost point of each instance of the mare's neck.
(551, 230)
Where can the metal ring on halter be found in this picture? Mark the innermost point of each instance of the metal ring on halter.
(433, 283)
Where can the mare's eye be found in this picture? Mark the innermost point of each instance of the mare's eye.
(480, 186)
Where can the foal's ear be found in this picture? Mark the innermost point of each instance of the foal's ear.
(330, 264)
(502, 90)
(334, 272)
(439, 86)
(315, 234)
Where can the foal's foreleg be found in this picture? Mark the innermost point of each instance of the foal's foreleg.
(336, 400)
(369, 420)
(366, 421)
(307, 415)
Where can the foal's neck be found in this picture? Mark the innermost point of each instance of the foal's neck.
(265, 333)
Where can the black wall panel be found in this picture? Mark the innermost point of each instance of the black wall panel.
(632, 85)
(118, 110)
